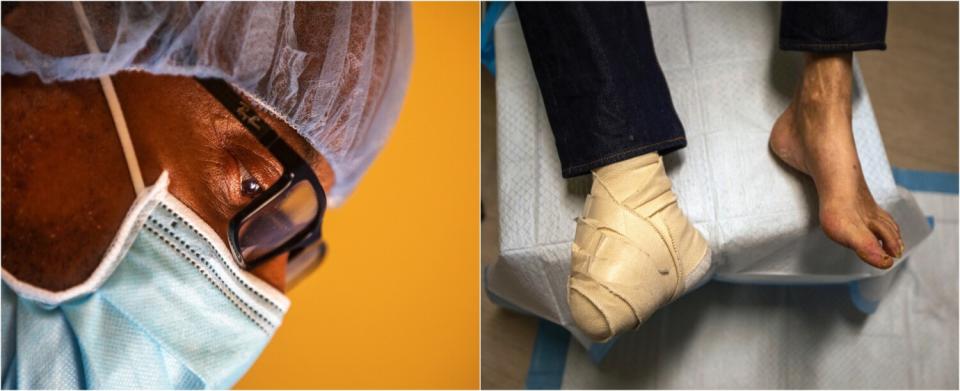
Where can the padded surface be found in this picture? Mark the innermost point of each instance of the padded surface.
(798, 337)
(728, 83)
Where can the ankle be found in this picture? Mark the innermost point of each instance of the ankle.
(827, 80)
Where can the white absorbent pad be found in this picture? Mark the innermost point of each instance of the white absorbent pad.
(735, 336)
(729, 82)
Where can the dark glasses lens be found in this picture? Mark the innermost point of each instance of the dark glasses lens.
(287, 214)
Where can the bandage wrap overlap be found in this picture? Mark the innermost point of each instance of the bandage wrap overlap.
(634, 250)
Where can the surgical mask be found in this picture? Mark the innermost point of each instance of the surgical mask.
(167, 308)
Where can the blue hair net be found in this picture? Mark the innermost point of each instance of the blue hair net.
(335, 72)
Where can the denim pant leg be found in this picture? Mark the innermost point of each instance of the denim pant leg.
(833, 27)
(604, 92)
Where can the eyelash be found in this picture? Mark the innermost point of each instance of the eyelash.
(249, 186)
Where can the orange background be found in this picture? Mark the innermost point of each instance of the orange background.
(396, 302)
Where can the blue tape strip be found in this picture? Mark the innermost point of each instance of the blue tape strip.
(487, 52)
(549, 357)
(941, 182)
(598, 351)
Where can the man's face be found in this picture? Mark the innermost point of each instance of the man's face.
(65, 183)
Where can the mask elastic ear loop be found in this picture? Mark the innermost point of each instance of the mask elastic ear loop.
(118, 120)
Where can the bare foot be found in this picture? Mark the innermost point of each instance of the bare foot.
(814, 135)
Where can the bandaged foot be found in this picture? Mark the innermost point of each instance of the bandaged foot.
(634, 250)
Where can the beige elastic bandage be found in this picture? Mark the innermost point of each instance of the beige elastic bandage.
(634, 249)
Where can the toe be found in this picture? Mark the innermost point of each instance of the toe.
(597, 311)
(892, 225)
(892, 222)
(864, 243)
(887, 218)
(855, 235)
(588, 317)
(888, 237)
(869, 250)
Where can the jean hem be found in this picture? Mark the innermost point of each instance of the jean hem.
(663, 147)
(832, 47)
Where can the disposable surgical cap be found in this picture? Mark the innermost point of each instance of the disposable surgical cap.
(335, 72)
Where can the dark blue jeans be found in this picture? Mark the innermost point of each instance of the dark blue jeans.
(604, 91)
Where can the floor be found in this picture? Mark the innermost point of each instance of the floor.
(913, 87)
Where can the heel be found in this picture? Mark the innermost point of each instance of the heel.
(700, 274)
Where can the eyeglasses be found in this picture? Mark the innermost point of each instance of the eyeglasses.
(287, 216)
